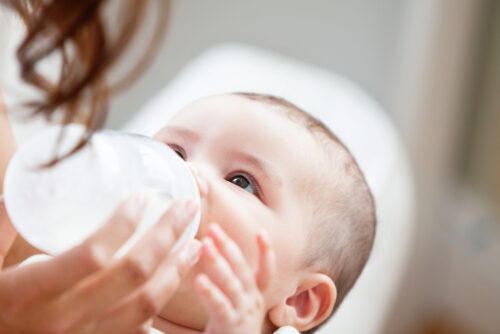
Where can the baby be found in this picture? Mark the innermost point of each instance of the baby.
(287, 218)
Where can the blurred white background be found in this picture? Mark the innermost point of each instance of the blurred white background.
(361, 39)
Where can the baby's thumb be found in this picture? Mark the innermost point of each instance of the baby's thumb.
(267, 261)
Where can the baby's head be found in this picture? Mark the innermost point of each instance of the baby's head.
(262, 163)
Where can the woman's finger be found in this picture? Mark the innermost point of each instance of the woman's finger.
(147, 301)
(267, 261)
(52, 277)
(233, 255)
(7, 233)
(136, 268)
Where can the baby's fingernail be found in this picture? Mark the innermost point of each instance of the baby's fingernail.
(215, 228)
(264, 235)
(134, 207)
(191, 253)
(211, 250)
(208, 242)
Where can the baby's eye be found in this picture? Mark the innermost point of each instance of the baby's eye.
(246, 182)
(179, 150)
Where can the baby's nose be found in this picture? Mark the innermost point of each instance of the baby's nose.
(203, 185)
(200, 180)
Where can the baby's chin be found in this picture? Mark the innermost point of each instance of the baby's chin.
(185, 308)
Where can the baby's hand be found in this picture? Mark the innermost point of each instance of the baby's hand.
(230, 291)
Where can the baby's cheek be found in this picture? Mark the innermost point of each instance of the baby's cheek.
(286, 249)
(288, 259)
(279, 290)
(244, 235)
(242, 227)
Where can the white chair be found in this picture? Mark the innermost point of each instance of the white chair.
(354, 117)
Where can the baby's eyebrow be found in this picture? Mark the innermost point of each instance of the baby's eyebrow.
(183, 132)
(248, 158)
(261, 165)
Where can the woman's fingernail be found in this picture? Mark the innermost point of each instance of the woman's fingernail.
(190, 208)
(192, 252)
(134, 207)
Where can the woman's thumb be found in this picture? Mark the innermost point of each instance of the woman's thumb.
(7, 233)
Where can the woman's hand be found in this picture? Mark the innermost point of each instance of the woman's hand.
(84, 291)
(229, 290)
(7, 234)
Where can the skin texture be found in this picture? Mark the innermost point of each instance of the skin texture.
(221, 138)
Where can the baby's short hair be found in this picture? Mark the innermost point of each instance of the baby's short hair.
(342, 240)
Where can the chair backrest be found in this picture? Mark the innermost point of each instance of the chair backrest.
(354, 117)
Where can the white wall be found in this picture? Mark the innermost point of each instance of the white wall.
(434, 91)
(357, 38)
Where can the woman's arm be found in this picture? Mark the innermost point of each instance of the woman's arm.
(7, 148)
(13, 248)
(7, 144)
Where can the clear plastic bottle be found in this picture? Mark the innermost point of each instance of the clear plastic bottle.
(56, 208)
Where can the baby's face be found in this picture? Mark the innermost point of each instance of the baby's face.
(256, 170)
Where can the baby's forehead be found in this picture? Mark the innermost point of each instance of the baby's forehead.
(237, 110)
(265, 128)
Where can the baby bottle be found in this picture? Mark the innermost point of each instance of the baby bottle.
(56, 208)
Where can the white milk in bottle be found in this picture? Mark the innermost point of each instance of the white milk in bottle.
(56, 208)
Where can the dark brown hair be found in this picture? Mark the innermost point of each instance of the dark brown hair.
(90, 43)
(343, 232)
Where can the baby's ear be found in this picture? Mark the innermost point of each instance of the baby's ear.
(309, 306)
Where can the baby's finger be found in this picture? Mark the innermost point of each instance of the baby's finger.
(230, 250)
(267, 261)
(52, 277)
(216, 303)
(220, 273)
(151, 298)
